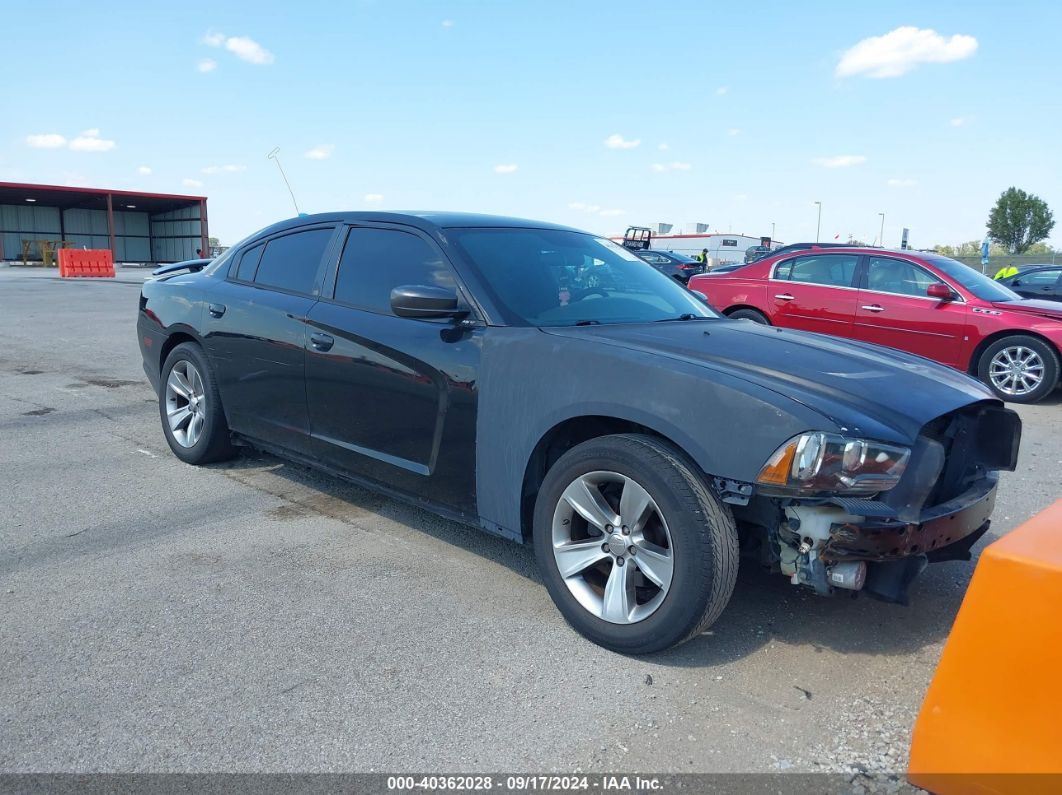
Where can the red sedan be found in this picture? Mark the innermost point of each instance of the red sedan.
(921, 303)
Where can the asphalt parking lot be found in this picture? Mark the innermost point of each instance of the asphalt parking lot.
(256, 616)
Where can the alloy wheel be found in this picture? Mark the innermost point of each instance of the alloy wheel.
(185, 403)
(1016, 370)
(612, 547)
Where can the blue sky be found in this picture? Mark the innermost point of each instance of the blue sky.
(511, 107)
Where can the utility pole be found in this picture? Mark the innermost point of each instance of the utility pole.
(818, 224)
(881, 237)
(275, 156)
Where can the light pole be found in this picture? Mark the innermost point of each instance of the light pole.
(881, 237)
(818, 224)
(772, 231)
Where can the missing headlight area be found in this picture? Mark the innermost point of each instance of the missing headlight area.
(934, 506)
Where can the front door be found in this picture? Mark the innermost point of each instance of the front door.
(894, 310)
(814, 292)
(256, 332)
(391, 398)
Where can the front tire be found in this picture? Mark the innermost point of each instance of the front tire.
(193, 419)
(635, 550)
(1019, 369)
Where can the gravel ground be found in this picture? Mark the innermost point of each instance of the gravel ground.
(257, 616)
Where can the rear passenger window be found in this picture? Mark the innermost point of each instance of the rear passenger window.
(830, 270)
(249, 264)
(290, 262)
(375, 261)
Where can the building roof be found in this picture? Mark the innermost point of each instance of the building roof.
(64, 197)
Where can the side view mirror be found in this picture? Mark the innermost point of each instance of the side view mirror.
(423, 301)
(941, 291)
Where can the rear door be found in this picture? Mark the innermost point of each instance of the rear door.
(1045, 284)
(391, 398)
(814, 292)
(256, 331)
(894, 310)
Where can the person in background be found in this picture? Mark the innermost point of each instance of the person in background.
(199, 253)
(703, 257)
(1005, 272)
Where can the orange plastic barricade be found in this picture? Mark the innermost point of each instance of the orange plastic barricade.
(78, 262)
(992, 719)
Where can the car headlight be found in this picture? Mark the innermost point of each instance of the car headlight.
(814, 463)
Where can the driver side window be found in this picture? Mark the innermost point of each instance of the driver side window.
(887, 275)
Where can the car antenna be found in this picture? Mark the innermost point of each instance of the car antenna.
(275, 156)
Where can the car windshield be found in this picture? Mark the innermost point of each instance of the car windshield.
(984, 287)
(547, 277)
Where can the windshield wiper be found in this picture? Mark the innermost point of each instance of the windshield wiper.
(686, 316)
(588, 322)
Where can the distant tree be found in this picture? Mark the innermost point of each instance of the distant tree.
(1019, 220)
(213, 242)
(854, 241)
(1039, 248)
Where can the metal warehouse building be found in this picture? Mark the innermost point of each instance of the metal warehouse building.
(136, 227)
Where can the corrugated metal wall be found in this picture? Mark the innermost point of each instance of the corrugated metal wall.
(163, 237)
(20, 222)
(175, 235)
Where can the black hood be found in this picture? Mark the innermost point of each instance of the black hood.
(1032, 306)
(863, 389)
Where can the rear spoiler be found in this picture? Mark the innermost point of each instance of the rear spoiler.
(192, 265)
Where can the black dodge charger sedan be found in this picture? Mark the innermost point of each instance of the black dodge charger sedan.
(637, 439)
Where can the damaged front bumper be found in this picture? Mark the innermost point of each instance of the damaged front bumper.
(831, 546)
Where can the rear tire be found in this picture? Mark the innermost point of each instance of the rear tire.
(1019, 369)
(658, 585)
(754, 315)
(193, 419)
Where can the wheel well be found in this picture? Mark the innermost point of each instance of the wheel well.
(984, 344)
(557, 441)
(172, 342)
(732, 309)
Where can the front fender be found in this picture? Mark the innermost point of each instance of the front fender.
(532, 381)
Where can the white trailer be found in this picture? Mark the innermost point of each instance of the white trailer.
(722, 247)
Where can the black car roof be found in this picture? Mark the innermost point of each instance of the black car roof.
(427, 220)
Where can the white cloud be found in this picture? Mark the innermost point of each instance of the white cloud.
(734, 131)
(902, 183)
(247, 49)
(319, 152)
(227, 169)
(901, 50)
(958, 121)
(584, 207)
(207, 65)
(243, 47)
(144, 170)
(721, 90)
(46, 141)
(617, 141)
(505, 168)
(90, 141)
(374, 198)
(191, 183)
(839, 161)
(610, 213)
(447, 23)
(662, 147)
(672, 166)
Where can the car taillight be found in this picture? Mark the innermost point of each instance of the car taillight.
(689, 266)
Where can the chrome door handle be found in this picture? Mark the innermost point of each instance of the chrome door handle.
(216, 310)
(785, 297)
(321, 342)
(874, 308)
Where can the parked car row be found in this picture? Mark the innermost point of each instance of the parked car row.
(543, 384)
(1005, 333)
